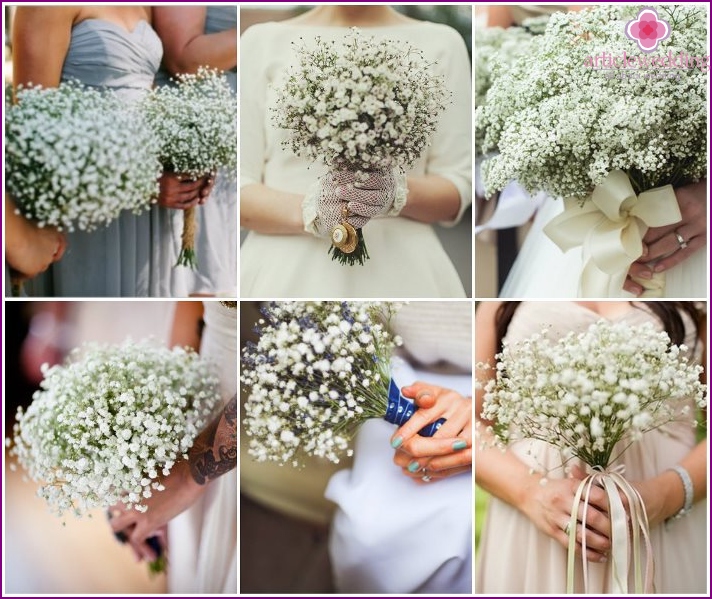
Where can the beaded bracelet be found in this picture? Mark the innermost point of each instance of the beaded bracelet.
(689, 492)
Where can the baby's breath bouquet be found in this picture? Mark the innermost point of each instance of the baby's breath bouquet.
(588, 117)
(318, 371)
(495, 50)
(110, 420)
(591, 395)
(360, 105)
(196, 123)
(76, 157)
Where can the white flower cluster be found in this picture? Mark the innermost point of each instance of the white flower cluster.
(76, 157)
(318, 370)
(196, 123)
(495, 50)
(561, 124)
(106, 423)
(587, 392)
(360, 104)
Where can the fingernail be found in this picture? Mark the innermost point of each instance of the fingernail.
(603, 560)
(646, 274)
(397, 442)
(413, 467)
(457, 445)
(659, 268)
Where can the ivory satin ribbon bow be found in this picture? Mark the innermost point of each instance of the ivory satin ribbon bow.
(610, 225)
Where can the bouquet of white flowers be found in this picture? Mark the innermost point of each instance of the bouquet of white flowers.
(494, 50)
(110, 420)
(584, 117)
(591, 395)
(318, 371)
(196, 123)
(76, 157)
(361, 106)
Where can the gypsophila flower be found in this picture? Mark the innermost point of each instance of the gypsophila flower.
(106, 423)
(360, 104)
(561, 121)
(75, 157)
(318, 371)
(495, 50)
(196, 123)
(591, 394)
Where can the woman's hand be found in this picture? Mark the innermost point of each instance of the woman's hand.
(341, 192)
(180, 192)
(549, 507)
(449, 451)
(180, 492)
(30, 249)
(665, 247)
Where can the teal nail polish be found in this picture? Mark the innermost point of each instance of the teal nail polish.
(397, 442)
(457, 445)
(413, 467)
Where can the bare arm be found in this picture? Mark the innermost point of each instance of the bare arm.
(30, 249)
(186, 329)
(270, 211)
(40, 38)
(431, 199)
(186, 46)
(213, 454)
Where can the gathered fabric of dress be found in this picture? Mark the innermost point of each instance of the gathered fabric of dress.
(390, 534)
(202, 550)
(113, 261)
(216, 238)
(515, 557)
(407, 259)
(530, 276)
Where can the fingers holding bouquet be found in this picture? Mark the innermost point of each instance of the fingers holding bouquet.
(668, 246)
(449, 451)
(180, 192)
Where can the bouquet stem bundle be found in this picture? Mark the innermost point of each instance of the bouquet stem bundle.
(195, 121)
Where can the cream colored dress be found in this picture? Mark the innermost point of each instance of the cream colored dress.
(407, 259)
(202, 541)
(514, 557)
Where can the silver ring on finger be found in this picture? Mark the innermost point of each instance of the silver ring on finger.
(425, 478)
(680, 240)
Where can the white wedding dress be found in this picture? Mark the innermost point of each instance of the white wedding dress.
(542, 270)
(389, 534)
(202, 541)
(407, 259)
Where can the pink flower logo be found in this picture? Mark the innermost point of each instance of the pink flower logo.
(647, 29)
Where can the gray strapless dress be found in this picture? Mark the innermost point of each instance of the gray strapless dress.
(112, 261)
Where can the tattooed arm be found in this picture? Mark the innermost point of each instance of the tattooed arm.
(214, 453)
(215, 450)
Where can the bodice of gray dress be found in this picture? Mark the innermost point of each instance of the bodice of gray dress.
(104, 54)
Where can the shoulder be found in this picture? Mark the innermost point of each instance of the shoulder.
(259, 34)
(46, 16)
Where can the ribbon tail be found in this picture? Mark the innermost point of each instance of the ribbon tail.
(573, 522)
(619, 538)
(639, 526)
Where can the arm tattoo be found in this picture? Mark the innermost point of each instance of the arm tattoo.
(214, 451)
